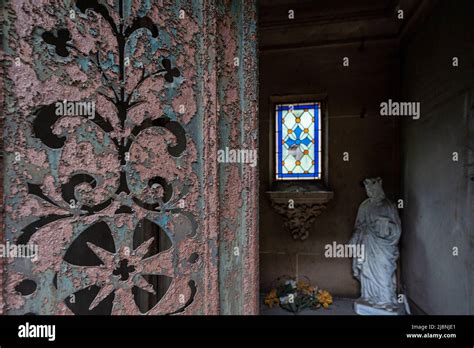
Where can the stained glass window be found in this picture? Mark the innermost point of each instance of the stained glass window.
(298, 141)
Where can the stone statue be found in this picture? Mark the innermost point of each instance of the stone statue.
(377, 231)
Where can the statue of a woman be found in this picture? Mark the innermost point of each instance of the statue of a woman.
(378, 230)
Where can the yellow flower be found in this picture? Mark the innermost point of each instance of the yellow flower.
(324, 298)
(272, 299)
(305, 288)
(301, 285)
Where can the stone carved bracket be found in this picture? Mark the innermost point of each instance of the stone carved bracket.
(299, 209)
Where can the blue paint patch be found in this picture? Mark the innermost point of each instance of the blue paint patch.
(145, 6)
(127, 8)
(53, 159)
(109, 63)
(84, 63)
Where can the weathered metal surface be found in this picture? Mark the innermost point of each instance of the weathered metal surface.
(237, 105)
(2, 269)
(147, 156)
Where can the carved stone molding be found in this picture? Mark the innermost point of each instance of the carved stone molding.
(299, 209)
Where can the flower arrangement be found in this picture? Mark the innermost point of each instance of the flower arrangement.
(294, 296)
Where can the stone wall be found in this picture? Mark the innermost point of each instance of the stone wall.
(438, 191)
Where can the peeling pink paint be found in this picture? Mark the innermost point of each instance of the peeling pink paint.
(15, 300)
(83, 147)
(185, 104)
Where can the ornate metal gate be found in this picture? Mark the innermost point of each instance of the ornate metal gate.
(112, 129)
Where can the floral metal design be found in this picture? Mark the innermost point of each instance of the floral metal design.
(102, 186)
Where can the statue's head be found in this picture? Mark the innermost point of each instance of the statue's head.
(373, 187)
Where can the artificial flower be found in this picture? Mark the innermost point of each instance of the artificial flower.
(291, 282)
(324, 298)
(272, 299)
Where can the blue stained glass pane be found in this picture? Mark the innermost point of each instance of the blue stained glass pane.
(306, 141)
(298, 132)
(290, 142)
(297, 141)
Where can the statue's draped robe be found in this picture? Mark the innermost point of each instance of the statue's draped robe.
(376, 271)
